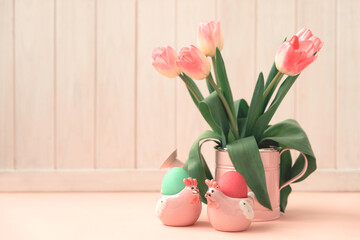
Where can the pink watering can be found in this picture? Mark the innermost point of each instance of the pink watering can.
(271, 161)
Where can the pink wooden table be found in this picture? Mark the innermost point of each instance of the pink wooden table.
(107, 216)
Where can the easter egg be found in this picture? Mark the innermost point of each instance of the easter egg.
(173, 181)
(233, 184)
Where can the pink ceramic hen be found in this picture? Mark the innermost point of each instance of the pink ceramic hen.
(226, 213)
(182, 209)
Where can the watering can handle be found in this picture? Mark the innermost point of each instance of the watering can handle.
(300, 174)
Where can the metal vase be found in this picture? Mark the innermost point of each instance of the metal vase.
(271, 160)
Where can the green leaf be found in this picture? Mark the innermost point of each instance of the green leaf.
(284, 195)
(236, 106)
(263, 121)
(270, 77)
(241, 108)
(196, 165)
(241, 111)
(245, 156)
(289, 134)
(285, 167)
(272, 74)
(222, 78)
(210, 88)
(193, 98)
(255, 106)
(231, 138)
(195, 87)
(241, 125)
(285, 170)
(215, 115)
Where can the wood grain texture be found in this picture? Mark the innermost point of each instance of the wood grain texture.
(275, 21)
(155, 134)
(331, 180)
(143, 180)
(238, 24)
(6, 85)
(78, 92)
(34, 83)
(81, 180)
(189, 121)
(316, 112)
(348, 99)
(75, 83)
(115, 97)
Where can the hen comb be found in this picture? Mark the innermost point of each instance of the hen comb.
(211, 183)
(190, 181)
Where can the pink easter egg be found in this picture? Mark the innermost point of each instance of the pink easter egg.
(233, 185)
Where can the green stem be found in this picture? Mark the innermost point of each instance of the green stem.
(234, 126)
(190, 88)
(273, 84)
(215, 71)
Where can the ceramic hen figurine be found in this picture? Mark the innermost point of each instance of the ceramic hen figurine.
(181, 209)
(226, 213)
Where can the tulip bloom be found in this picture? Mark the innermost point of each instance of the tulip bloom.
(209, 37)
(193, 63)
(164, 61)
(295, 55)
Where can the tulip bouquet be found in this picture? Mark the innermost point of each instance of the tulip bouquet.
(237, 126)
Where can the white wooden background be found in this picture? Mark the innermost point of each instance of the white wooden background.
(81, 107)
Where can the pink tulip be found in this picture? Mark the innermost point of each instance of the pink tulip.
(209, 37)
(295, 55)
(193, 63)
(165, 61)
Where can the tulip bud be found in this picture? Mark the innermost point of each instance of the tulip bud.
(164, 61)
(295, 55)
(193, 63)
(209, 37)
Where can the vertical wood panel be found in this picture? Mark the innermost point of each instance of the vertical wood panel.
(155, 94)
(238, 24)
(275, 21)
(75, 103)
(34, 55)
(81, 85)
(348, 85)
(316, 112)
(190, 123)
(115, 124)
(6, 85)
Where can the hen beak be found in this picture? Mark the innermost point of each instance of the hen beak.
(195, 191)
(207, 195)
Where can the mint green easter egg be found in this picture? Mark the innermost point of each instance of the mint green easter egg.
(173, 181)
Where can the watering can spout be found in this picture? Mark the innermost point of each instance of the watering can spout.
(172, 161)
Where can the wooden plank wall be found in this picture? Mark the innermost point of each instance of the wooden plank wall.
(82, 109)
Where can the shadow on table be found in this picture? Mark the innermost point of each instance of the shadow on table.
(202, 224)
(255, 227)
(299, 215)
(292, 216)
